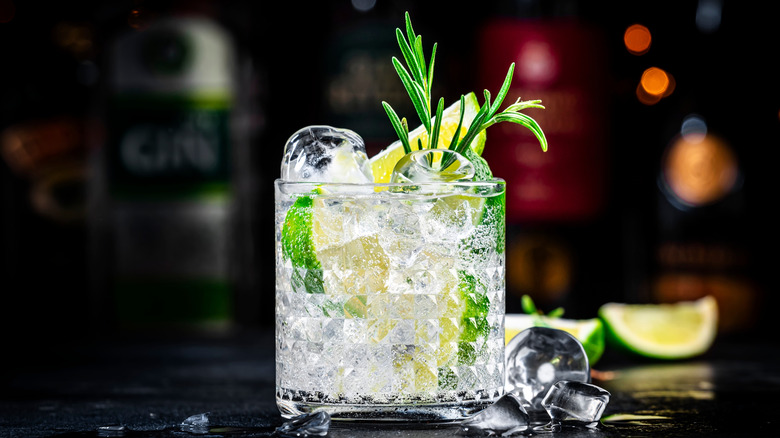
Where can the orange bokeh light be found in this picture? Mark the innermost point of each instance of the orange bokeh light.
(654, 85)
(637, 39)
(644, 97)
(655, 81)
(700, 170)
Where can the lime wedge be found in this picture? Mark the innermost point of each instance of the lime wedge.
(590, 332)
(297, 246)
(313, 237)
(662, 331)
(383, 163)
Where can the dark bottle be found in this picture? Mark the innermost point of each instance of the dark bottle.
(701, 244)
(697, 178)
(558, 250)
(358, 73)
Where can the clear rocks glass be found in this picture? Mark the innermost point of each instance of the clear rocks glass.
(389, 299)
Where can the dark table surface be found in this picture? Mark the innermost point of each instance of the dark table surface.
(145, 386)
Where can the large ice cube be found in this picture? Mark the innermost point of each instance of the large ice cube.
(538, 357)
(326, 154)
(504, 417)
(432, 165)
(575, 403)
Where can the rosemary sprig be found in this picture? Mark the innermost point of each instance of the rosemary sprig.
(418, 80)
(487, 116)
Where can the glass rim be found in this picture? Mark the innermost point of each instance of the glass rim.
(494, 181)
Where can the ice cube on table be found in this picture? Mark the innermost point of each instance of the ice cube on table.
(326, 154)
(504, 417)
(575, 403)
(312, 424)
(112, 431)
(538, 357)
(432, 165)
(197, 424)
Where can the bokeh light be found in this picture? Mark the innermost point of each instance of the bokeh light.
(654, 85)
(708, 15)
(655, 81)
(75, 38)
(699, 168)
(139, 18)
(693, 128)
(363, 5)
(637, 39)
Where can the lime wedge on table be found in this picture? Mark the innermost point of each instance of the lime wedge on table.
(382, 164)
(662, 331)
(590, 332)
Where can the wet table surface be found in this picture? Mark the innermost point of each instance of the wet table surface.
(136, 386)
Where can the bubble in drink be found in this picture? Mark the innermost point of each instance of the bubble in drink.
(540, 356)
(504, 417)
(326, 154)
(313, 424)
(432, 165)
(575, 403)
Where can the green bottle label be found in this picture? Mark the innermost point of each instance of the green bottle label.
(169, 147)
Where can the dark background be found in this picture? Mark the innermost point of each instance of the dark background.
(728, 75)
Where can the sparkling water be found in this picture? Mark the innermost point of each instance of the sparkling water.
(389, 304)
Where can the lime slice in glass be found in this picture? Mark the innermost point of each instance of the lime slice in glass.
(383, 163)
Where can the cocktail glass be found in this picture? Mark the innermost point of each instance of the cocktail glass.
(389, 299)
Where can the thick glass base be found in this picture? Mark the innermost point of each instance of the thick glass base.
(439, 412)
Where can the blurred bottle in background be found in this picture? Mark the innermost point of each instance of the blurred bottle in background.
(358, 72)
(700, 243)
(164, 228)
(557, 251)
(691, 223)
